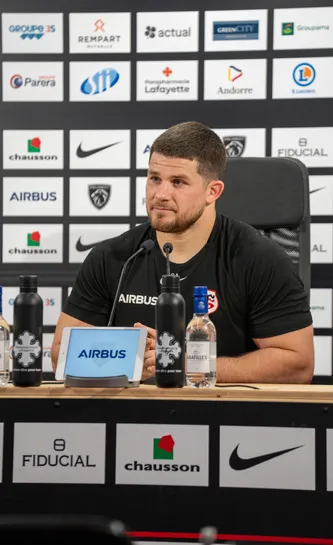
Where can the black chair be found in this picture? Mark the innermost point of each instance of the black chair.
(55, 529)
(272, 195)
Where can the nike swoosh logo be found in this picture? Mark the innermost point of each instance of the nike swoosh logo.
(239, 464)
(83, 154)
(315, 190)
(84, 247)
(180, 279)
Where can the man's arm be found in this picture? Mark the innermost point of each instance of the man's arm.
(287, 358)
(64, 321)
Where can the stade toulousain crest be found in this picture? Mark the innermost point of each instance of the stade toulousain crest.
(99, 194)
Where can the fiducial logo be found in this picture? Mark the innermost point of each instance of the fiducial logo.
(100, 82)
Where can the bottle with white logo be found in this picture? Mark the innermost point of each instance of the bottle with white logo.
(28, 331)
(4, 347)
(200, 344)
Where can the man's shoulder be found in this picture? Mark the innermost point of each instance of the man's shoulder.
(124, 245)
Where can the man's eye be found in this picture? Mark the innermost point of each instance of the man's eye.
(178, 182)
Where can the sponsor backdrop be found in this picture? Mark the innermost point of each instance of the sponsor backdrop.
(85, 89)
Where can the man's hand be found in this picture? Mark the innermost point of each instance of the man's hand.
(149, 358)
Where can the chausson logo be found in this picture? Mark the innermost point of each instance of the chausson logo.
(33, 246)
(34, 146)
(163, 449)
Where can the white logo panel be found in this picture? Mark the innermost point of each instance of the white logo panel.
(51, 303)
(32, 33)
(321, 195)
(323, 355)
(267, 457)
(140, 198)
(303, 28)
(144, 140)
(321, 242)
(100, 149)
(36, 243)
(33, 196)
(239, 79)
(321, 307)
(33, 149)
(47, 346)
(99, 32)
(32, 82)
(236, 30)
(311, 145)
(243, 142)
(167, 80)
(59, 453)
(100, 81)
(153, 454)
(308, 77)
(83, 237)
(167, 31)
(99, 197)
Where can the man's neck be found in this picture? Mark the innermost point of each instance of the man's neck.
(188, 243)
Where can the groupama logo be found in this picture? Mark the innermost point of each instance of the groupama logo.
(100, 82)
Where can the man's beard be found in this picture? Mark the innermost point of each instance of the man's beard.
(177, 225)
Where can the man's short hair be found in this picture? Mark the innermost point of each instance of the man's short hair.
(192, 140)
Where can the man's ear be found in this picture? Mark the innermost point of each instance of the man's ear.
(214, 190)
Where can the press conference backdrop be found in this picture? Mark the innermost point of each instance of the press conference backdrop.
(87, 85)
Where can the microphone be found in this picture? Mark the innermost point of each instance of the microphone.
(208, 535)
(167, 249)
(146, 246)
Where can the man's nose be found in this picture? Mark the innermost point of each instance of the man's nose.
(163, 191)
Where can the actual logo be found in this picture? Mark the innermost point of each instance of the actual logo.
(100, 82)
(234, 145)
(26, 349)
(99, 195)
(152, 32)
(152, 454)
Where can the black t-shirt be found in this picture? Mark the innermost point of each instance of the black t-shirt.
(254, 291)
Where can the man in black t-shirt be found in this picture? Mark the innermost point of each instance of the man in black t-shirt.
(256, 300)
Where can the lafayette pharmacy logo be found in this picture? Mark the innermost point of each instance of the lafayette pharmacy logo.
(100, 149)
(311, 77)
(96, 81)
(32, 33)
(312, 145)
(267, 457)
(167, 80)
(109, 197)
(59, 453)
(236, 30)
(32, 81)
(153, 454)
(303, 28)
(33, 149)
(168, 31)
(83, 237)
(32, 243)
(100, 32)
(240, 79)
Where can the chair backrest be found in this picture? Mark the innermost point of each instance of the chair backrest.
(272, 195)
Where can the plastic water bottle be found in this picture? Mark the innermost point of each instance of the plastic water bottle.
(170, 334)
(4, 347)
(200, 344)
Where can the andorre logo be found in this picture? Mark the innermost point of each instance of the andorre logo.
(16, 81)
(100, 82)
(233, 75)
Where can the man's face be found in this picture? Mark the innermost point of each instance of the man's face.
(175, 193)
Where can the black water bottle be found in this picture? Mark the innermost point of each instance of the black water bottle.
(28, 331)
(170, 334)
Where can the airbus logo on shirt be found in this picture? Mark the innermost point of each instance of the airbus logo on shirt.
(132, 299)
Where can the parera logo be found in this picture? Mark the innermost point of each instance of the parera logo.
(234, 73)
(287, 29)
(16, 81)
(236, 30)
(104, 354)
(100, 82)
(163, 448)
(32, 31)
(304, 74)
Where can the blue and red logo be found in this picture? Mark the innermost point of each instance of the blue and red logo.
(16, 81)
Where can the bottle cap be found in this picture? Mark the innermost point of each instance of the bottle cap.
(200, 291)
(28, 281)
(170, 281)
